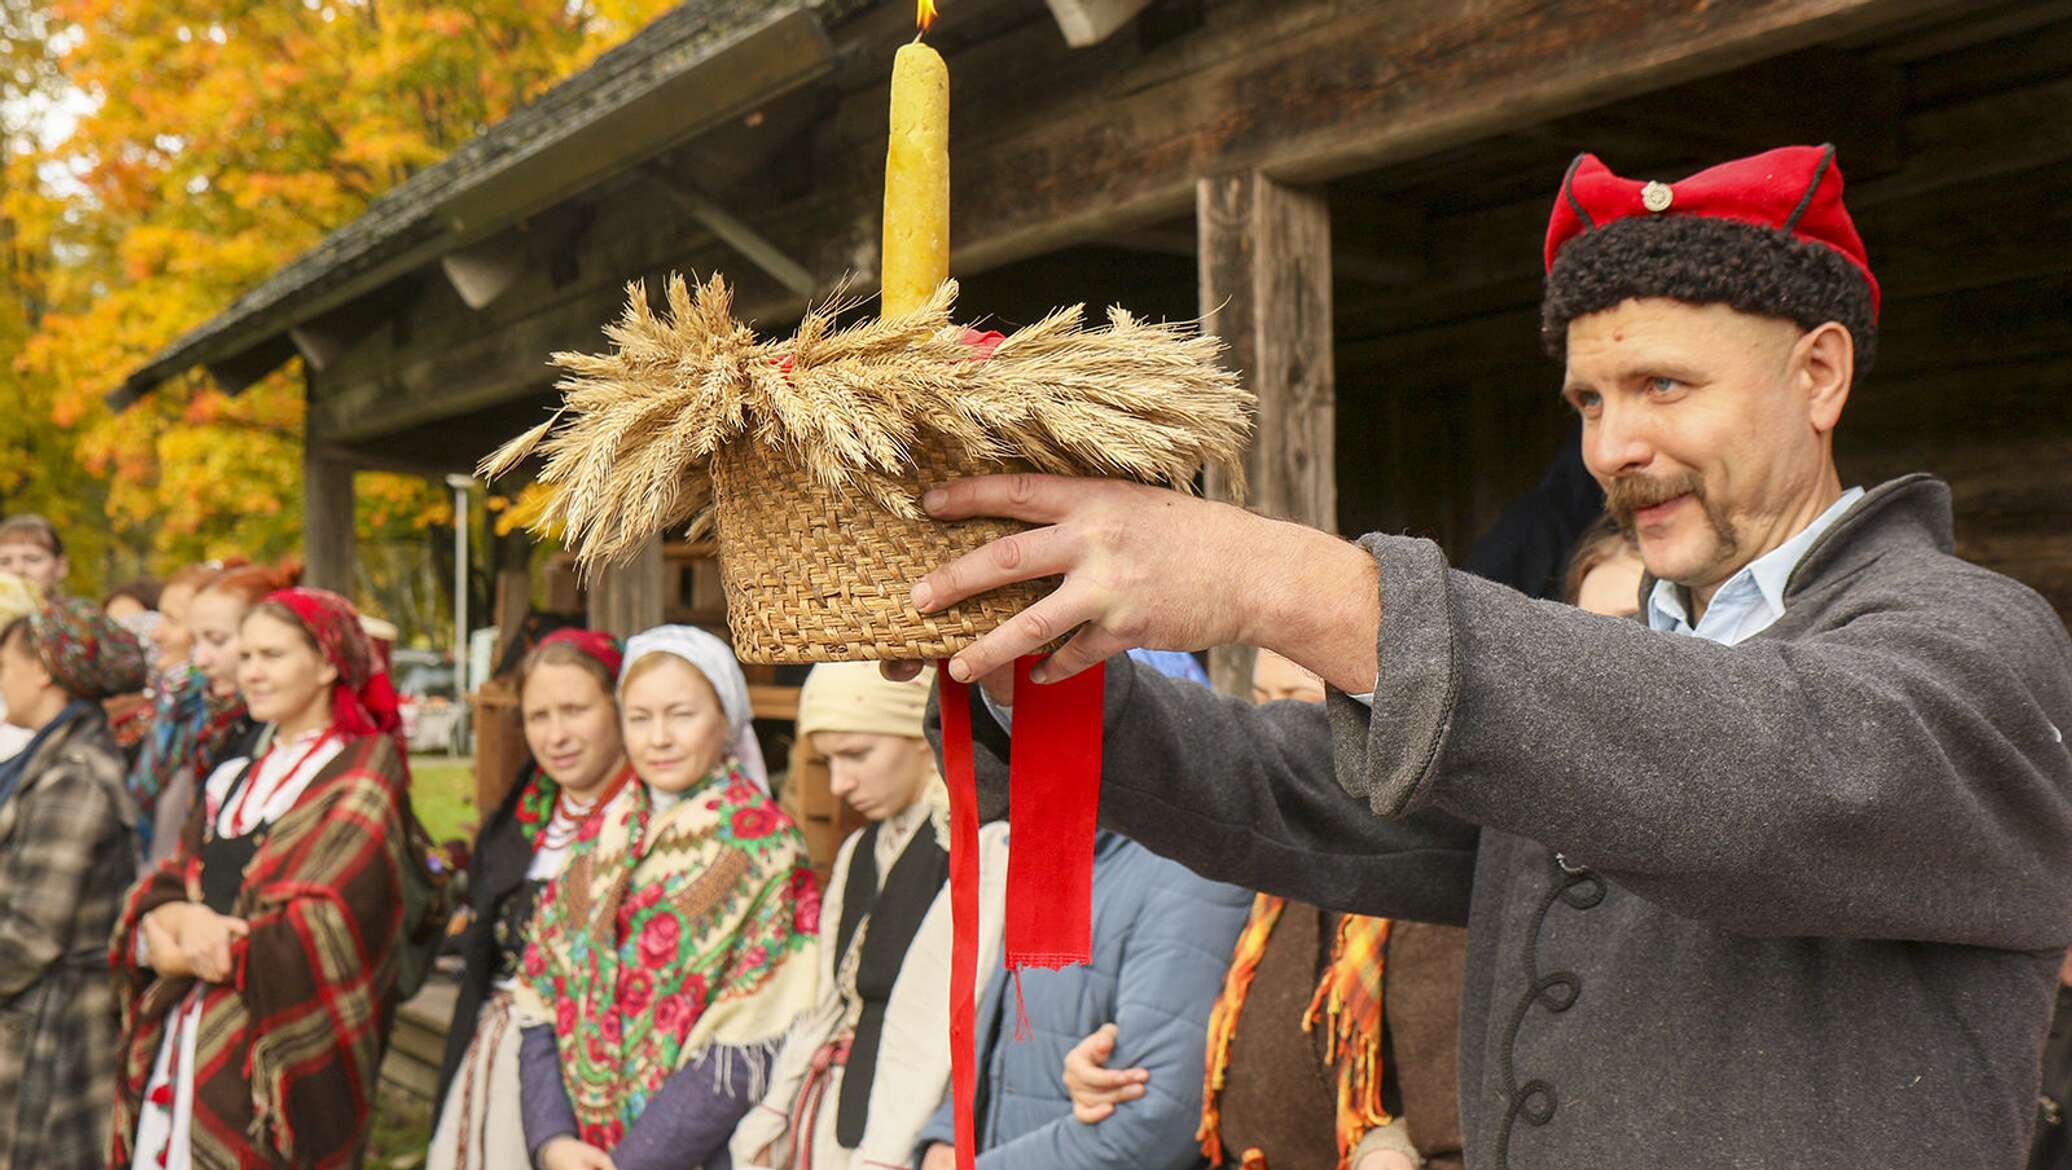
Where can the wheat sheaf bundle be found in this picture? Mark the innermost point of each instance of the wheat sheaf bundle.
(630, 452)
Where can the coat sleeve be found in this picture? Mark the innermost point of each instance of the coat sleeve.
(1173, 967)
(1900, 774)
(57, 843)
(690, 1116)
(1249, 795)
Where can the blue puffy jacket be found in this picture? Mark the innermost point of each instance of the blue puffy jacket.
(1162, 939)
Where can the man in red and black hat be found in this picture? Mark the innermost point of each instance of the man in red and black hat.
(1778, 875)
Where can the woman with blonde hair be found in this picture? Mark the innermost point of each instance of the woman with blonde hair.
(676, 947)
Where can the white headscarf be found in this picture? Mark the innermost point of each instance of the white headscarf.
(710, 657)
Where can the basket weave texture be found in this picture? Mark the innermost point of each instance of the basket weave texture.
(813, 575)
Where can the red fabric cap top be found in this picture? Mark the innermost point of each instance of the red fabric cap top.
(1796, 189)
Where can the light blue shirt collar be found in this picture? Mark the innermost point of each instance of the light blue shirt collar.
(1752, 599)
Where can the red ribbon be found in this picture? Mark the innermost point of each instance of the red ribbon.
(963, 785)
(1054, 789)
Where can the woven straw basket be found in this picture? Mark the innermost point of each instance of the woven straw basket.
(688, 419)
(813, 575)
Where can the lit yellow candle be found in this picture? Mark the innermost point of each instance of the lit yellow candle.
(917, 181)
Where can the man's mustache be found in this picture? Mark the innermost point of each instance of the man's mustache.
(1631, 494)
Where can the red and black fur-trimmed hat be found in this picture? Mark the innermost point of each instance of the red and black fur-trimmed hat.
(1766, 234)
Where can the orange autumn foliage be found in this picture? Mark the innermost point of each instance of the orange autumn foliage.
(219, 141)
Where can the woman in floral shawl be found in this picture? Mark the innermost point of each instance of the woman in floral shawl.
(677, 946)
(65, 861)
(258, 965)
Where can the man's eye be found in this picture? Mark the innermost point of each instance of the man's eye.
(1661, 385)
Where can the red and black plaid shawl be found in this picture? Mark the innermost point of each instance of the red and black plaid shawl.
(288, 1053)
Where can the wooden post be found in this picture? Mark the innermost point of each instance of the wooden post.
(627, 599)
(327, 522)
(1265, 252)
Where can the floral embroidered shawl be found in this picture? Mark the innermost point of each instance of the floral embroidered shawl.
(668, 932)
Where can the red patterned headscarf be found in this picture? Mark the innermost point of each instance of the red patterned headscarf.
(362, 701)
(597, 644)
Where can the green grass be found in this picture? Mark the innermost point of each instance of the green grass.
(443, 790)
(402, 1130)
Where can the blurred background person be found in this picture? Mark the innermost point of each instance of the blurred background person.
(65, 862)
(18, 599)
(198, 718)
(134, 604)
(31, 549)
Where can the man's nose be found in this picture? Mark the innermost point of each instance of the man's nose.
(1618, 442)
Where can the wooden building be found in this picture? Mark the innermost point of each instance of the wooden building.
(1353, 191)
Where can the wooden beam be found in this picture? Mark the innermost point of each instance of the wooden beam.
(734, 231)
(327, 522)
(1089, 22)
(1266, 291)
(627, 599)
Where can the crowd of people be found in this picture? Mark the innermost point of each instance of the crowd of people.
(212, 909)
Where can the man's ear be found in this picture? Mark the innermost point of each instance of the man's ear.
(1823, 363)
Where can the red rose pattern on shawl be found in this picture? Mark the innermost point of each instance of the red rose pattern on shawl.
(673, 947)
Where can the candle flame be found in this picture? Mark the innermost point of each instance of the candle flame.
(924, 14)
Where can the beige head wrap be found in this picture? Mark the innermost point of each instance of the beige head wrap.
(855, 696)
(18, 598)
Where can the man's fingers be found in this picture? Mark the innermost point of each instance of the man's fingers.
(1038, 499)
(1092, 645)
(1024, 556)
(1024, 633)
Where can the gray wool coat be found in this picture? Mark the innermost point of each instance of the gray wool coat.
(1794, 903)
(67, 858)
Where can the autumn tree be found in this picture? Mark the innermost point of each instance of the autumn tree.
(220, 140)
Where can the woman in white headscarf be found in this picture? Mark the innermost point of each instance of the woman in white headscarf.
(676, 947)
(861, 1073)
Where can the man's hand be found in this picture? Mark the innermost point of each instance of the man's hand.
(940, 1156)
(1148, 567)
(567, 1153)
(1384, 1160)
(1096, 1089)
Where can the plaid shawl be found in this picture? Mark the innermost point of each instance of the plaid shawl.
(288, 1051)
(1347, 1003)
(667, 933)
(65, 864)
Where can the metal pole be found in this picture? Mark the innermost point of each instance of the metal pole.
(460, 485)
